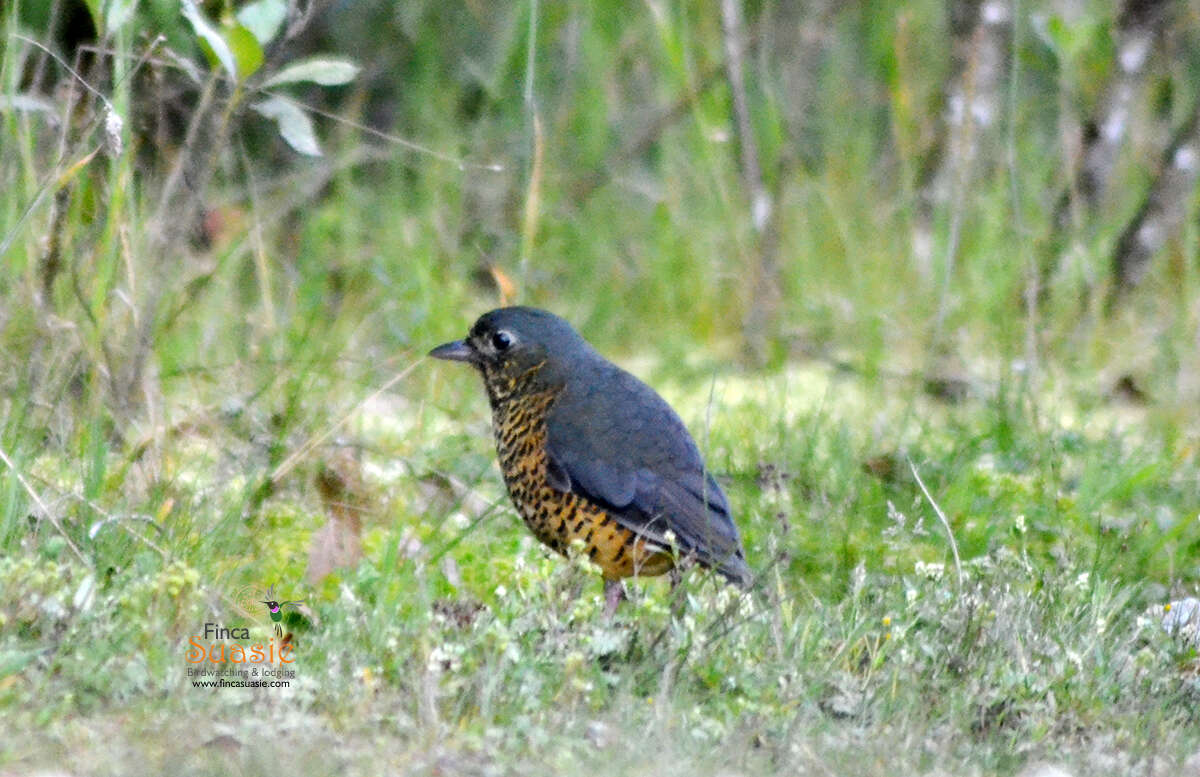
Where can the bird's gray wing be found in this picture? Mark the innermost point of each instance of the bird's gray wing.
(614, 441)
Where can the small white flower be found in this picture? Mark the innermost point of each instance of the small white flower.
(443, 658)
(932, 570)
(113, 124)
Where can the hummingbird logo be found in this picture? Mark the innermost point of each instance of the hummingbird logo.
(251, 600)
(275, 609)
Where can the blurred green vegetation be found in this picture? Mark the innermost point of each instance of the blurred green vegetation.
(195, 319)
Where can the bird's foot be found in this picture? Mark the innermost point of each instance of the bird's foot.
(614, 593)
(675, 575)
(678, 592)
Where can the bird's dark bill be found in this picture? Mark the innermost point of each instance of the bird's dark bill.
(457, 351)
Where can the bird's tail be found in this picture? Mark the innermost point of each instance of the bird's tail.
(736, 570)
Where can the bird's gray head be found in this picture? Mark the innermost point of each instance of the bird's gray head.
(520, 347)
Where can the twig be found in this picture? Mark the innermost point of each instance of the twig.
(1162, 212)
(1032, 275)
(257, 244)
(458, 162)
(761, 320)
(733, 28)
(1140, 25)
(313, 442)
(531, 52)
(44, 508)
(533, 200)
(645, 140)
(533, 196)
(66, 67)
(941, 516)
(54, 180)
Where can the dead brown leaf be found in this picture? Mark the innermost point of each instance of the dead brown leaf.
(338, 544)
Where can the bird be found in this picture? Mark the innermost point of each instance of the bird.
(592, 455)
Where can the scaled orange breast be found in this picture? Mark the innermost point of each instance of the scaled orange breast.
(557, 518)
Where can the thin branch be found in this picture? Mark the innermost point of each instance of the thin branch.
(1141, 25)
(531, 52)
(1032, 276)
(645, 140)
(67, 67)
(182, 66)
(734, 30)
(941, 516)
(533, 194)
(44, 508)
(458, 162)
(761, 320)
(1162, 212)
(533, 199)
(313, 442)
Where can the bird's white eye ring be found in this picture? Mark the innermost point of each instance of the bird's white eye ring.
(502, 340)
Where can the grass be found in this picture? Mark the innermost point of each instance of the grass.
(149, 398)
(458, 644)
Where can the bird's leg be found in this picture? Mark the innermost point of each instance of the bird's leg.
(614, 592)
(675, 575)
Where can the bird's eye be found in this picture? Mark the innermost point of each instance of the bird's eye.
(501, 341)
